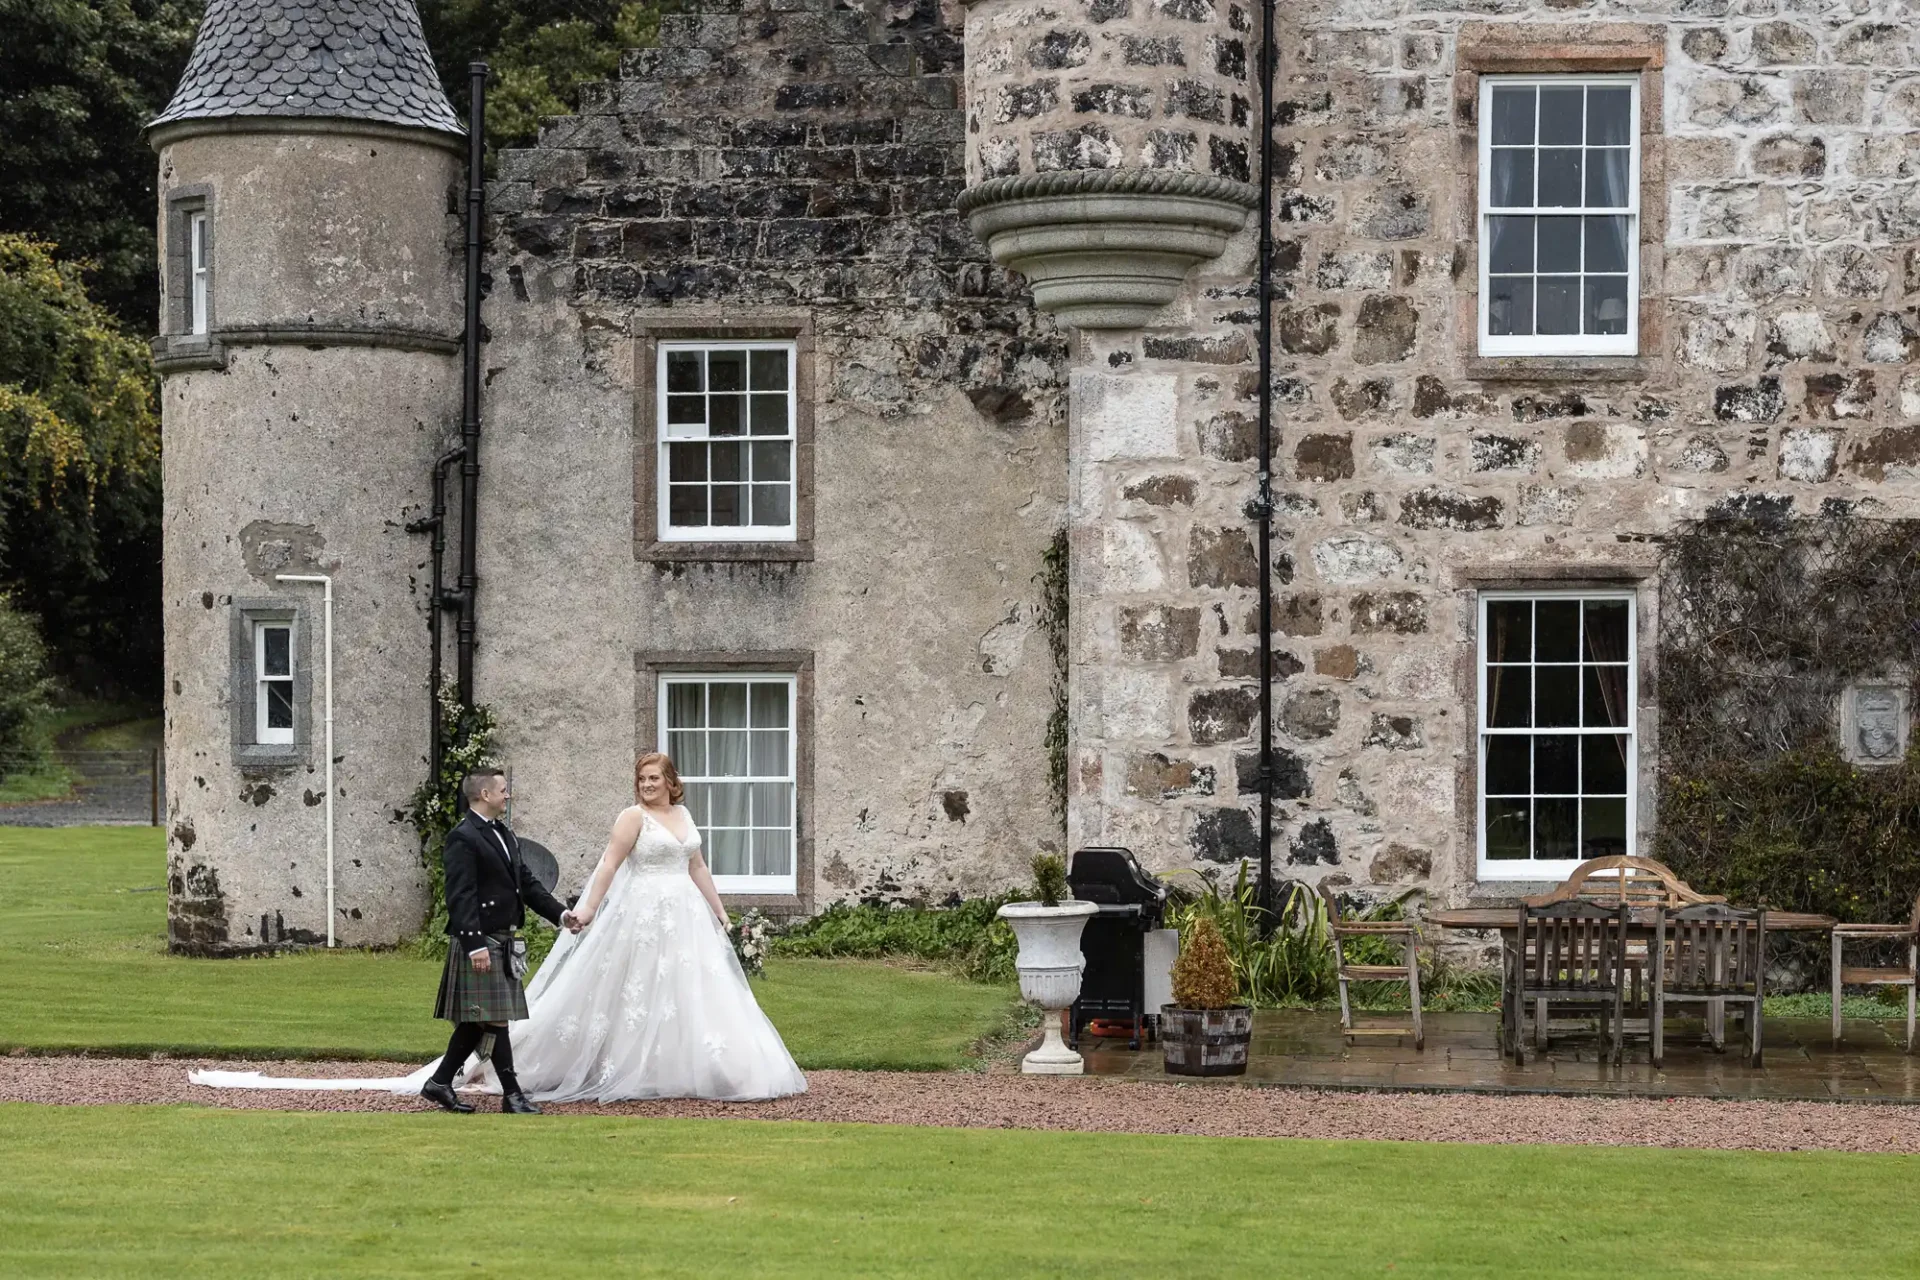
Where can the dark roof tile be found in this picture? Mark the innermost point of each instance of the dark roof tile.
(345, 59)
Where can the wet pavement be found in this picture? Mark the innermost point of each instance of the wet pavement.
(1306, 1048)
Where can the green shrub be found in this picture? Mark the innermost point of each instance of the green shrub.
(965, 938)
(1291, 964)
(1049, 879)
(24, 692)
(1202, 974)
(1799, 831)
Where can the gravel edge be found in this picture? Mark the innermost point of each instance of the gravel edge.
(972, 1100)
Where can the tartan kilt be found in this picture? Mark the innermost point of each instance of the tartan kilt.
(493, 996)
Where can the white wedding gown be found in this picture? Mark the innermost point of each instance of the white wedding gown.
(648, 1002)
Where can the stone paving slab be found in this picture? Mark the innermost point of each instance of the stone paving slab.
(1305, 1048)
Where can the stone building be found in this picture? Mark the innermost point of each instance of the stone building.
(812, 336)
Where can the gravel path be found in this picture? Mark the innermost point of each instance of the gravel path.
(994, 1101)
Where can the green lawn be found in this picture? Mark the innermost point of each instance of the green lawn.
(183, 1191)
(82, 920)
(119, 727)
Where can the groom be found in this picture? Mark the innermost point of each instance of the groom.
(488, 887)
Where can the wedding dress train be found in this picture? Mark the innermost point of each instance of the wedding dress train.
(648, 1002)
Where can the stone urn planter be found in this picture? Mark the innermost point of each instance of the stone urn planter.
(1050, 964)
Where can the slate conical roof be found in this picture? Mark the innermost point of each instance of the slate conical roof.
(319, 59)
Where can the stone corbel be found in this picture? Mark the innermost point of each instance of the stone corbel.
(1106, 248)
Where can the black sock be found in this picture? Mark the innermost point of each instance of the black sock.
(460, 1046)
(503, 1061)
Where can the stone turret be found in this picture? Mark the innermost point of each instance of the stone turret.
(1110, 157)
(310, 331)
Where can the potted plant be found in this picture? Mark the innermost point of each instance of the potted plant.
(1049, 961)
(1203, 1032)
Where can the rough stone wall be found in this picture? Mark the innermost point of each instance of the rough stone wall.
(295, 459)
(1779, 277)
(1778, 335)
(780, 161)
(1108, 84)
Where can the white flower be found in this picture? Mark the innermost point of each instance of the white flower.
(569, 1029)
(716, 1045)
(597, 1029)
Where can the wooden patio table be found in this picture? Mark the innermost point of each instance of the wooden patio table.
(1507, 919)
(1640, 926)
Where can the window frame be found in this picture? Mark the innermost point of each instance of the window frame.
(190, 315)
(1534, 869)
(199, 270)
(652, 326)
(787, 885)
(665, 531)
(264, 734)
(1490, 345)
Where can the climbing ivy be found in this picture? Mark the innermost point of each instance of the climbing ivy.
(1052, 580)
(1763, 625)
(436, 805)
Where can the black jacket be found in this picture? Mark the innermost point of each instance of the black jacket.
(487, 890)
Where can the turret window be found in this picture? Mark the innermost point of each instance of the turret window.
(189, 269)
(197, 234)
(273, 682)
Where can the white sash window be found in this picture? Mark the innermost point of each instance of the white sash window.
(732, 739)
(726, 415)
(197, 272)
(273, 682)
(1558, 732)
(1559, 215)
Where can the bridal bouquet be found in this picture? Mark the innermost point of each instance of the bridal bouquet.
(749, 935)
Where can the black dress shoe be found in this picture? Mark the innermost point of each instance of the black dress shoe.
(444, 1096)
(518, 1104)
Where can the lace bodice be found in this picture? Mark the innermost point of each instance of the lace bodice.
(657, 849)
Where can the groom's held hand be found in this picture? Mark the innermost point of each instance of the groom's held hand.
(481, 960)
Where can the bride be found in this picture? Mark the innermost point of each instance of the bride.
(643, 997)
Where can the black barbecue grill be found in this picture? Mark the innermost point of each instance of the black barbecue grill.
(1114, 941)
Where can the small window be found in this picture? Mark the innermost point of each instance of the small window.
(1559, 215)
(197, 273)
(1558, 749)
(273, 682)
(732, 739)
(726, 439)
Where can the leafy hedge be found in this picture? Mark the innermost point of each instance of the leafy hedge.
(1801, 831)
(966, 938)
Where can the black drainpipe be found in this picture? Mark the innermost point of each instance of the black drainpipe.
(467, 454)
(469, 578)
(1260, 508)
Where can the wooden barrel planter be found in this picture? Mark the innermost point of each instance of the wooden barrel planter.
(1206, 1042)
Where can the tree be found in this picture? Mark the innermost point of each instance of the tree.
(79, 79)
(540, 51)
(79, 472)
(24, 687)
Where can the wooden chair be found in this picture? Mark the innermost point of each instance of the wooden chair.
(1407, 971)
(1907, 975)
(1639, 883)
(1713, 955)
(1566, 952)
(1624, 879)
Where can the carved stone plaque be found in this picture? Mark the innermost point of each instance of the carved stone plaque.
(1874, 721)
